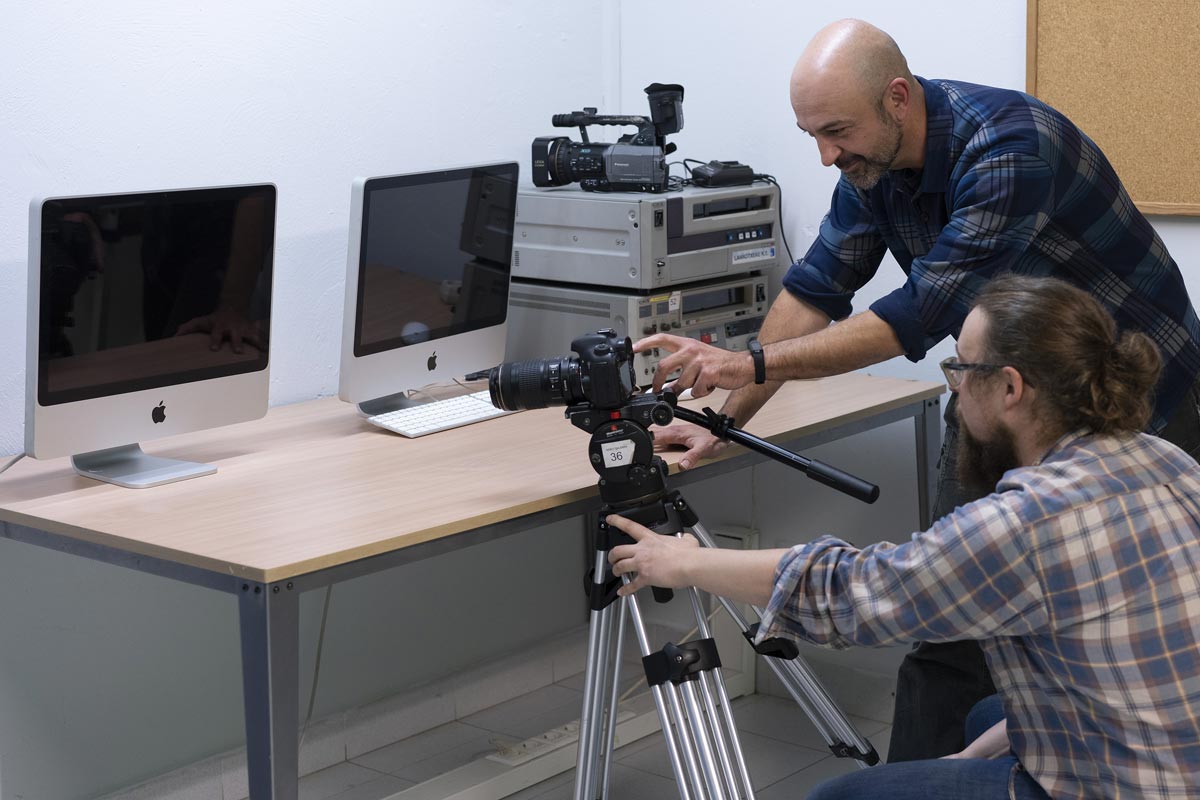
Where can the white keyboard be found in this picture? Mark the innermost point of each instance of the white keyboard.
(438, 415)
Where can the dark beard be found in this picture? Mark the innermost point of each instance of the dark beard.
(982, 464)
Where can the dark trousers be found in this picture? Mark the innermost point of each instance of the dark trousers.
(938, 683)
(1000, 778)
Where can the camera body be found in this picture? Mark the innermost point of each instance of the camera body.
(600, 375)
(635, 163)
(597, 386)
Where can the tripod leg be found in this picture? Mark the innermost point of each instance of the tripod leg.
(674, 726)
(799, 681)
(724, 727)
(614, 693)
(596, 679)
(704, 741)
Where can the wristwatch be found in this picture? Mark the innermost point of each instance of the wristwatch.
(760, 361)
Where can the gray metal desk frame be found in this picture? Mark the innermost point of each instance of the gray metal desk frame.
(269, 613)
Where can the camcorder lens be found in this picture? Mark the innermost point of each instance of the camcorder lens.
(537, 383)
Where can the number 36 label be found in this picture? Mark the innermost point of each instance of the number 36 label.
(617, 454)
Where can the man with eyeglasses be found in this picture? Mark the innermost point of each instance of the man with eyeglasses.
(960, 183)
(1079, 571)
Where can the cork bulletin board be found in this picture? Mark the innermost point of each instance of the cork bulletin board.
(1128, 74)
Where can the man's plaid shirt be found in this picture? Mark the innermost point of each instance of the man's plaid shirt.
(1008, 184)
(1081, 577)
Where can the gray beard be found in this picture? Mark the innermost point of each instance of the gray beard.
(877, 164)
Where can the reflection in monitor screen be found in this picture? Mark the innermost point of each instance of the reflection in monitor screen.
(427, 278)
(138, 296)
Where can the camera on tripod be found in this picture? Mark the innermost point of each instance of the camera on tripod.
(600, 378)
(600, 375)
(597, 385)
(635, 163)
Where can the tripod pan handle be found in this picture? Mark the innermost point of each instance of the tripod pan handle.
(843, 481)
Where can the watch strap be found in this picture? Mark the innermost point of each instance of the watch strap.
(760, 360)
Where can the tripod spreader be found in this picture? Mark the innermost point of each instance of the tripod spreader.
(722, 427)
(678, 663)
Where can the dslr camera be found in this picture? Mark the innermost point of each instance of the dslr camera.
(599, 375)
(635, 163)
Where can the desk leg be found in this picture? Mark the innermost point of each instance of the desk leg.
(929, 445)
(270, 625)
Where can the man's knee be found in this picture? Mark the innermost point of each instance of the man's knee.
(845, 787)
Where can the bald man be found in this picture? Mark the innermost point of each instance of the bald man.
(960, 183)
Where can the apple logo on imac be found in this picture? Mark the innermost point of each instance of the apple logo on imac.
(431, 364)
(159, 413)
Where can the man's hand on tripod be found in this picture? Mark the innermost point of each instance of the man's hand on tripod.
(747, 576)
(658, 560)
(699, 442)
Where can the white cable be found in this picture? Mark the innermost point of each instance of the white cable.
(12, 461)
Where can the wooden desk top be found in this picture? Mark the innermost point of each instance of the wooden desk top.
(312, 485)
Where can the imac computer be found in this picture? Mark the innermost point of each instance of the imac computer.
(149, 315)
(426, 291)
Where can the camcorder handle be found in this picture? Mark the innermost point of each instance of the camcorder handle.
(722, 427)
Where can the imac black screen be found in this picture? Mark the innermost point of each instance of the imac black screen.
(434, 255)
(140, 291)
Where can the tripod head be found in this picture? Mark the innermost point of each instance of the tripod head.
(599, 389)
(622, 449)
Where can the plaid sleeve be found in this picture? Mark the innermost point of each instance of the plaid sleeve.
(967, 577)
(999, 205)
(845, 255)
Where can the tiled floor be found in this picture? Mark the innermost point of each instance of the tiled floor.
(785, 755)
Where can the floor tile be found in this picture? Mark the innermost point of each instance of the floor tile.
(335, 780)
(625, 783)
(780, 718)
(518, 717)
(565, 779)
(799, 784)
(574, 682)
(377, 789)
(768, 760)
(404, 756)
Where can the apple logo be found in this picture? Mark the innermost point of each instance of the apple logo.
(431, 364)
(159, 413)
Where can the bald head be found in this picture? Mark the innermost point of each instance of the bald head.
(852, 92)
(850, 58)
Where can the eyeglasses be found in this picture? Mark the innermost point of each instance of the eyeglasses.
(954, 370)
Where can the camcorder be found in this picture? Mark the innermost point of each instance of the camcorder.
(635, 163)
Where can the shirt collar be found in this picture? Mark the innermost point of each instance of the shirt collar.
(939, 128)
(1063, 442)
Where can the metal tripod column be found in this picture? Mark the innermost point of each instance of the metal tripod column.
(689, 696)
(600, 683)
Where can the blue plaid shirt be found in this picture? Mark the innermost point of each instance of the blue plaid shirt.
(1009, 184)
(1081, 576)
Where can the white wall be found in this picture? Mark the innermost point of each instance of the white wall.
(121, 96)
(108, 676)
(308, 94)
(735, 61)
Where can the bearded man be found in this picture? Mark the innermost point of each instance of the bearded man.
(1079, 573)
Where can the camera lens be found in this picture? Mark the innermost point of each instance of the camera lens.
(577, 161)
(538, 383)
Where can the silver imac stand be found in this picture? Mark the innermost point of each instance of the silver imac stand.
(128, 466)
(391, 402)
